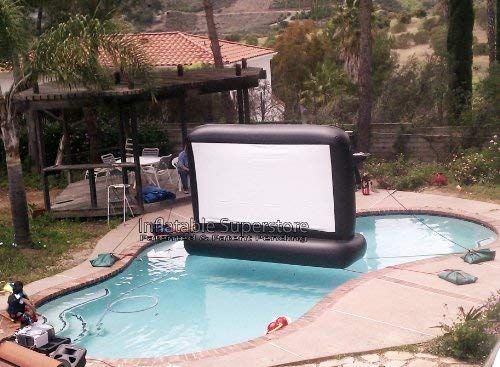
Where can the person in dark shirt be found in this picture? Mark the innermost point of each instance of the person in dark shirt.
(20, 308)
(183, 169)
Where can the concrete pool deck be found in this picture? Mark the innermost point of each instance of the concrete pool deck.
(385, 308)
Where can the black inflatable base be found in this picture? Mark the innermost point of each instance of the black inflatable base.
(320, 252)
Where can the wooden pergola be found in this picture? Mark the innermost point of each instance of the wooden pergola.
(166, 84)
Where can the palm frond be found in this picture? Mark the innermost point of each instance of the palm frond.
(14, 38)
(83, 51)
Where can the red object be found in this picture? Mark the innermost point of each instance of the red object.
(277, 324)
(272, 326)
(438, 179)
(365, 186)
(282, 320)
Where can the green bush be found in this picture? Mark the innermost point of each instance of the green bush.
(421, 37)
(399, 27)
(480, 49)
(404, 17)
(477, 166)
(252, 40)
(402, 41)
(472, 336)
(430, 23)
(438, 40)
(420, 13)
(401, 174)
(234, 37)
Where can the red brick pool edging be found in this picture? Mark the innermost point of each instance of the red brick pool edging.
(317, 310)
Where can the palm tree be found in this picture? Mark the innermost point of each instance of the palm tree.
(365, 75)
(219, 62)
(490, 10)
(13, 43)
(68, 53)
(343, 30)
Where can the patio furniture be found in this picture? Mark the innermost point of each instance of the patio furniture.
(109, 159)
(179, 181)
(150, 152)
(145, 160)
(153, 172)
(116, 199)
(129, 148)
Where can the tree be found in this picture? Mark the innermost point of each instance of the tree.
(13, 43)
(219, 62)
(365, 76)
(300, 49)
(68, 53)
(459, 47)
(498, 33)
(490, 10)
(343, 31)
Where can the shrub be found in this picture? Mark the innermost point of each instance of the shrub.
(477, 167)
(421, 37)
(438, 40)
(401, 174)
(252, 40)
(472, 336)
(420, 13)
(399, 27)
(480, 49)
(430, 23)
(404, 17)
(415, 92)
(402, 41)
(234, 37)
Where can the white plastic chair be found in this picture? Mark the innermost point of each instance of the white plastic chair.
(109, 159)
(129, 148)
(175, 161)
(163, 167)
(105, 158)
(150, 152)
(153, 173)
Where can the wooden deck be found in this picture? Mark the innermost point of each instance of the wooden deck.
(74, 200)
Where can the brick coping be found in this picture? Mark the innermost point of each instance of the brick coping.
(316, 311)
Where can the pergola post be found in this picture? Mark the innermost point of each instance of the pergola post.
(41, 157)
(123, 140)
(246, 103)
(182, 115)
(239, 99)
(66, 150)
(137, 162)
(246, 98)
(31, 119)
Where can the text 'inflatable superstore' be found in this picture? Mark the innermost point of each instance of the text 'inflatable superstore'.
(276, 193)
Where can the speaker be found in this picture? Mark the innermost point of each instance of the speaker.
(70, 355)
(52, 345)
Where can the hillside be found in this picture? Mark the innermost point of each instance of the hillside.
(414, 24)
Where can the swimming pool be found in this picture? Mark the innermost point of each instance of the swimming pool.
(167, 302)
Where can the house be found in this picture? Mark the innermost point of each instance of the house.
(169, 49)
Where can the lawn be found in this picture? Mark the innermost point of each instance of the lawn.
(58, 244)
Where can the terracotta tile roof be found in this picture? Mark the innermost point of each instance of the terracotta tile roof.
(173, 48)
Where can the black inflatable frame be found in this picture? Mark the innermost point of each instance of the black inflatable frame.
(337, 249)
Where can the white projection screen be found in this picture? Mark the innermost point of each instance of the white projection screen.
(265, 183)
(251, 181)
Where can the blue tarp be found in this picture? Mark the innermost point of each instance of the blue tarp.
(152, 194)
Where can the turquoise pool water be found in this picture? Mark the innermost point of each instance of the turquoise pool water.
(167, 302)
